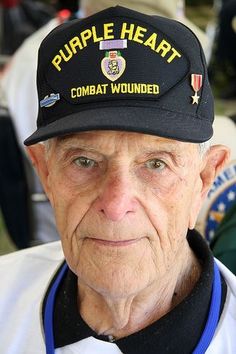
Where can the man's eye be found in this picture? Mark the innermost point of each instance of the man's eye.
(155, 164)
(84, 162)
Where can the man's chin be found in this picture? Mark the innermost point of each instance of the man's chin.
(117, 280)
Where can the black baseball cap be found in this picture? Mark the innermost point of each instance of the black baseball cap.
(122, 70)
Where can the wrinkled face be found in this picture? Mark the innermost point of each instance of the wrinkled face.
(123, 203)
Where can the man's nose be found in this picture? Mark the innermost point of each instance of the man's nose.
(116, 198)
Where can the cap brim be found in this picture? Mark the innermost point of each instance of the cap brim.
(146, 120)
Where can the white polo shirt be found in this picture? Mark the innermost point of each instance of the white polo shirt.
(25, 276)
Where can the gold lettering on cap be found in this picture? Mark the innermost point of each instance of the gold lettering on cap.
(69, 52)
(113, 89)
(88, 90)
(75, 42)
(151, 41)
(108, 30)
(134, 88)
(95, 37)
(163, 48)
(127, 31)
(56, 61)
(139, 34)
(85, 35)
(173, 55)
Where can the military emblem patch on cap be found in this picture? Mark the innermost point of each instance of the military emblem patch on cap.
(196, 83)
(113, 65)
(50, 100)
(122, 70)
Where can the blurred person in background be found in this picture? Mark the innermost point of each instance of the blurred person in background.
(222, 67)
(19, 19)
(15, 204)
(26, 210)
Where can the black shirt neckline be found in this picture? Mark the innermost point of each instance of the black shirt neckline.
(177, 332)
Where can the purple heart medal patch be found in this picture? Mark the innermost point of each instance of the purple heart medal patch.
(113, 64)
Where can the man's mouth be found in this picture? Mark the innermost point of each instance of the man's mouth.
(120, 243)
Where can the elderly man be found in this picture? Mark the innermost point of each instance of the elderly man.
(123, 158)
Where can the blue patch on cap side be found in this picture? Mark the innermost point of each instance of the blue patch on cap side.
(50, 100)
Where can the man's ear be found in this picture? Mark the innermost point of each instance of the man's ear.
(38, 158)
(213, 162)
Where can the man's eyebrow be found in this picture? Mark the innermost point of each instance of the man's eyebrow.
(163, 146)
(66, 147)
(70, 144)
(73, 143)
(67, 150)
(177, 151)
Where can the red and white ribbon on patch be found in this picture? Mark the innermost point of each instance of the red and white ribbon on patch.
(196, 82)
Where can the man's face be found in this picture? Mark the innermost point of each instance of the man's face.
(123, 203)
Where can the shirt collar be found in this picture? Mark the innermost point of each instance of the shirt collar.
(163, 336)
